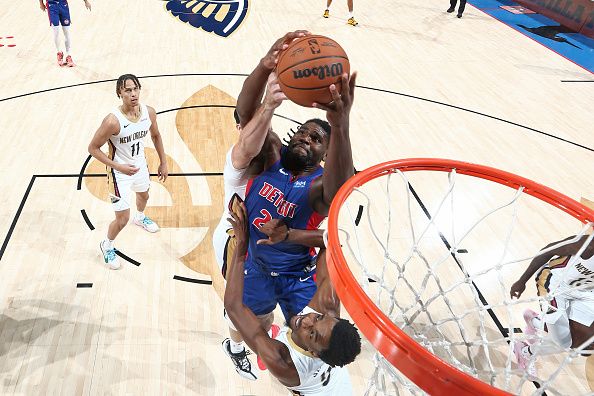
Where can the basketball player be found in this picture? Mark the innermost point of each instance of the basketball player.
(309, 354)
(567, 275)
(460, 9)
(290, 185)
(235, 182)
(124, 129)
(351, 21)
(59, 14)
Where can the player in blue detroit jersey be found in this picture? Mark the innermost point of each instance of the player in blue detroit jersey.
(59, 14)
(289, 186)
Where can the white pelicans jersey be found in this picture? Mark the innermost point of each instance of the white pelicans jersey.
(127, 147)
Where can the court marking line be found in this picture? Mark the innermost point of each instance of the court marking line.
(504, 331)
(358, 86)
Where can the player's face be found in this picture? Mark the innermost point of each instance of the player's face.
(130, 93)
(309, 143)
(312, 331)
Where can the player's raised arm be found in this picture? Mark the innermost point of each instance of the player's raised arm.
(254, 85)
(339, 157)
(325, 300)
(252, 136)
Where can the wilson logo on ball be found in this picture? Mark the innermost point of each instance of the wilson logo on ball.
(322, 72)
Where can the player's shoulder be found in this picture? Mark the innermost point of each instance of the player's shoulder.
(111, 120)
(151, 111)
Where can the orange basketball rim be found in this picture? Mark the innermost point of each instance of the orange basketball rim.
(426, 370)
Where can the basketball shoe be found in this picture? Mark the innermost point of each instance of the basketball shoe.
(451, 9)
(522, 352)
(240, 360)
(146, 223)
(530, 330)
(60, 56)
(69, 61)
(109, 256)
(352, 22)
(274, 330)
(326, 14)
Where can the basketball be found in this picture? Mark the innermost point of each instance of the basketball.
(309, 66)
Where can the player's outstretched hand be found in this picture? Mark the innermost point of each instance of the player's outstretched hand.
(42, 6)
(240, 228)
(276, 230)
(88, 5)
(270, 59)
(517, 289)
(337, 111)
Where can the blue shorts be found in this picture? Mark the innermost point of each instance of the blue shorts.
(262, 291)
(58, 13)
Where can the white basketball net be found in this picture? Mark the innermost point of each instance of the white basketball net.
(443, 276)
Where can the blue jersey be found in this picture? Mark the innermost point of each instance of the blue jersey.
(273, 194)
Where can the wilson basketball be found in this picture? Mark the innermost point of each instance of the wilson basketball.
(309, 66)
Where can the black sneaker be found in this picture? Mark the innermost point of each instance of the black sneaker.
(451, 9)
(240, 360)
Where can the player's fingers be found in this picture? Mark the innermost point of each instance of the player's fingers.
(321, 106)
(352, 83)
(263, 242)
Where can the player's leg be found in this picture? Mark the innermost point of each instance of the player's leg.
(581, 320)
(327, 11)
(64, 12)
(351, 21)
(54, 20)
(461, 8)
(119, 194)
(452, 6)
(141, 188)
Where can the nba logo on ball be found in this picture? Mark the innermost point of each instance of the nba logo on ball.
(308, 67)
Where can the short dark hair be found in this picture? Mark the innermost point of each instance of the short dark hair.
(236, 116)
(321, 123)
(122, 80)
(345, 344)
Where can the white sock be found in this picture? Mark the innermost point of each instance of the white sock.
(108, 243)
(351, 15)
(140, 216)
(236, 347)
(55, 33)
(67, 41)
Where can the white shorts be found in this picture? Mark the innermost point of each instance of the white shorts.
(581, 311)
(121, 186)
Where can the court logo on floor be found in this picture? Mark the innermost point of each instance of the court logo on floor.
(221, 17)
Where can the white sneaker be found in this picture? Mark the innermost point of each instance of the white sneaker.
(147, 224)
(240, 361)
(524, 358)
(110, 256)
